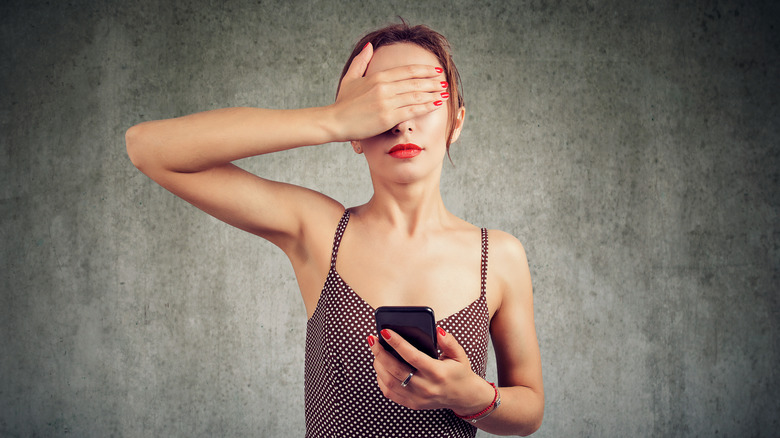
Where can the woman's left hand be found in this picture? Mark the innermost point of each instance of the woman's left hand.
(445, 383)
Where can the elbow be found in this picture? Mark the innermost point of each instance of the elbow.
(535, 421)
(528, 428)
(136, 146)
(532, 427)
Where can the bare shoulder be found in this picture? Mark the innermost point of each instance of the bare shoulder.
(508, 268)
(506, 250)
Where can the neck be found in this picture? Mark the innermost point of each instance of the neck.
(409, 208)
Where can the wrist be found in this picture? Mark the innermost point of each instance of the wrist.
(479, 396)
(484, 413)
(330, 125)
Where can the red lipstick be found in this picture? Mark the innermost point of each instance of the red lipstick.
(408, 150)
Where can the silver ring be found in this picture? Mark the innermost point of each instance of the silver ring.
(407, 379)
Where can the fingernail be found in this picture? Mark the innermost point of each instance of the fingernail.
(439, 70)
(437, 103)
(441, 331)
(445, 95)
(370, 341)
(385, 334)
(444, 84)
(364, 47)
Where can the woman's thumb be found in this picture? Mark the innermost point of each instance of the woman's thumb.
(450, 348)
(360, 63)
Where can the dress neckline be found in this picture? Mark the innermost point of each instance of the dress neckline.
(338, 276)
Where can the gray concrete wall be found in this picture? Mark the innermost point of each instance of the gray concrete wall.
(632, 146)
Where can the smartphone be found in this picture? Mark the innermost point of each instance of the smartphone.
(415, 324)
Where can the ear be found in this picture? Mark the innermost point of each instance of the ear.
(458, 124)
(356, 146)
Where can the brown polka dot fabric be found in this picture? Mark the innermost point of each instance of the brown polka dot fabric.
(342, 397)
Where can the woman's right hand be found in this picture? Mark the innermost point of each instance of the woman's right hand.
(370, 105)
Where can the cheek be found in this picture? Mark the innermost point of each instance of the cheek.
(435, 124)
(369, 144)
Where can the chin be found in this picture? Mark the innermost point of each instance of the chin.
(409, 175)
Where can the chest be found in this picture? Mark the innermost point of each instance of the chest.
(444, 274)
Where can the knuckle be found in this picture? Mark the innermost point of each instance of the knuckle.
(379, 77)
(388, 389)
(417, 357)
(411, 112)
(438, 377)
(382, 89)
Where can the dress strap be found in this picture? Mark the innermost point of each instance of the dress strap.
(337, 238)
(484, 260)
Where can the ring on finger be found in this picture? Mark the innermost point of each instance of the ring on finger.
(407, 379)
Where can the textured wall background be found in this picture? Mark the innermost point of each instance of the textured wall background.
(632, 146)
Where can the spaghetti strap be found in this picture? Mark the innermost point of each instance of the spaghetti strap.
(337, 238)
(484, 260)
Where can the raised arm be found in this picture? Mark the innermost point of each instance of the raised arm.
(191, 156)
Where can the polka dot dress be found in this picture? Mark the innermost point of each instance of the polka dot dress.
(342, 397)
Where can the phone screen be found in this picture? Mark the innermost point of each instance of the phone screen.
(415, 324)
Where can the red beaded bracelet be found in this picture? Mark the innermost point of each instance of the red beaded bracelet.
(485, 412)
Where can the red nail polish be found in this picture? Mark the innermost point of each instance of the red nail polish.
(444, 84)
(441, 331)
(370, 341)
(439, 70)
(445, 95)
(364, 47)
(385, 334)
(437, 103)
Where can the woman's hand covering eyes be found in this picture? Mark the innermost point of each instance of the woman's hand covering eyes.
(370, 105)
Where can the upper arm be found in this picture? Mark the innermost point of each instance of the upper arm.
(281, 213)
(512, 328)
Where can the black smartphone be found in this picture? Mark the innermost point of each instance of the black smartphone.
(415, 324)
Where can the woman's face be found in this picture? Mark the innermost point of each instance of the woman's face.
(428, 131)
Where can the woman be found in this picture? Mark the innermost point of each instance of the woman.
(398, 104)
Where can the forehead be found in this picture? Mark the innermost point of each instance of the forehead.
(396, 55)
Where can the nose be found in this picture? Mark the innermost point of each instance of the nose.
(403, 127)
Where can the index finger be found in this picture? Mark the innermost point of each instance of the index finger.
(410, 71)
(407, 351)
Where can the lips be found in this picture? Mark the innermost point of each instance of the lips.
(408, 150)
